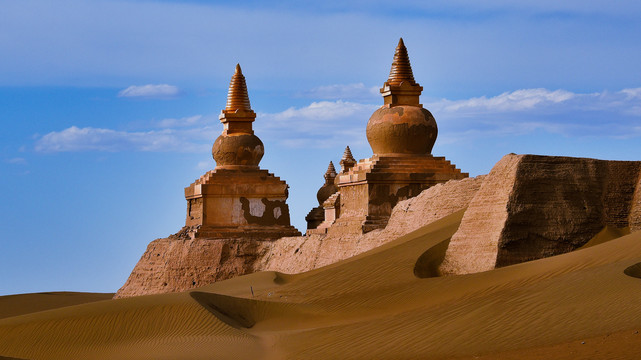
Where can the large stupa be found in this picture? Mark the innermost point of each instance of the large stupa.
(237, 198)
(401, 134)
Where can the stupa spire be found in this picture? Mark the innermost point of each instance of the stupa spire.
(237, 97)
(347, 154)
(347, 161)
(237, 116)
(330, 174)
(401, 67)
(400, 87)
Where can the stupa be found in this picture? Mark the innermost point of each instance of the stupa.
(347, 161)
(401, 134)
(237, 198)
(317, 215)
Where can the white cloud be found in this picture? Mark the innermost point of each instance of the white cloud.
(519, 100)
(319, 125)
(636, 92)
(150, 91)
(97, 139)
(320, 112)
(343, 91)
(609, 114)
(326, 124)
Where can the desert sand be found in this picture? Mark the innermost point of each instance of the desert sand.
(14, 305)
(387, 303)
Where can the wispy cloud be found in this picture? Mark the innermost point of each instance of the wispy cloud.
(318, 114)
(97, 139)
(632, 93)
(519, 100)
(150, 91)
(319, 125)
(16, 161)
(604, 114)
(326, 124)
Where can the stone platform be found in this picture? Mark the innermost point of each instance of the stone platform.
(370, 190)
(238, 203)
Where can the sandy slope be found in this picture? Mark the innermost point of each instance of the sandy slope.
(13, 305)
(383, 304)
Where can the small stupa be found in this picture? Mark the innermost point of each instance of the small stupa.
(401, 134)
(347, 161)
(317, 215)
(237, 198)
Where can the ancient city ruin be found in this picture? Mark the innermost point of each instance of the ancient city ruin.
(528, 207)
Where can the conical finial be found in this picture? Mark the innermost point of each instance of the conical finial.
(331, 169)
(329, 187)
(348, 161)
(347, 155)
(401, 68)
(330, 174)
(401, 88)
(237, 97)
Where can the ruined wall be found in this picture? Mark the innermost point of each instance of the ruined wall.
(634, 219)
(353, 208)
(384, 197)
(473, 247)
(528, 207)
(558, 204)
(297, 254)
(531, 207)
(178, 263)
(372, 188)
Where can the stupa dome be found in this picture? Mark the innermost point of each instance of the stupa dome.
(238, 150)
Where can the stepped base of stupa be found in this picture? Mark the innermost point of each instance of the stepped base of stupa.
(227, 203)
(370, 189)
(315, 217)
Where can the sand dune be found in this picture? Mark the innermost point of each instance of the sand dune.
(14, 305)
(387, 303)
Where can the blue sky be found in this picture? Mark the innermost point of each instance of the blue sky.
(109, 108)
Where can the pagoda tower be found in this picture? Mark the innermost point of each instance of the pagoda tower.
(237, 198)
(401, 134)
